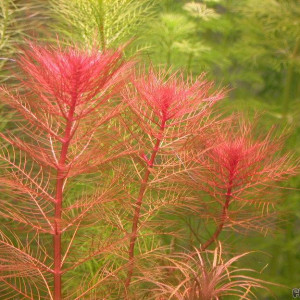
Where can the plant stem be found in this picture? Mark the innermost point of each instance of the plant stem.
(288, 82)
(223, 218)
(101, 23)
(138, 204)
(4, 10)
(169, 56)
(189, 62)
(61, 177)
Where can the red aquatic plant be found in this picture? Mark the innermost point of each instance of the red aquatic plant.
(97, 160)
(207, 275)
(167, 108)
(239, 170)
(64, 104)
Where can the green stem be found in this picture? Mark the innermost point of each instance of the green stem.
(289, 81)
(101, 24)
(169, 56)
(189, 62)
(4, 8)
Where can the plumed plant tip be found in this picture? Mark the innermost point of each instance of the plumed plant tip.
(72, 77)
(165, 99)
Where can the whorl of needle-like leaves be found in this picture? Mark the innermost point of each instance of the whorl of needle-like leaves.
(72, 77)
(169, 98)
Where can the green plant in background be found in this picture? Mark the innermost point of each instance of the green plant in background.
(5, 33)
(104, 22)
(251, 45)
(10, 34)
(269, 42)
(166, 33)
(175, 37)
(200, 11)
(192, 50)
(18, 18)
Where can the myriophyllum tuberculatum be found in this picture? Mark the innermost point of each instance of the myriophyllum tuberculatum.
(64, 101)
(96, 152)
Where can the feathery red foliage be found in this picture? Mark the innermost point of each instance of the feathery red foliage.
(170, 96)
(237, 169)
(73, 128)
(205, 275)
(64, 97)
(167, 109)
(72, 77)
(169, 101)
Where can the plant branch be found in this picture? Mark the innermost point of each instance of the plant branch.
(101, 24)
(61, 177)
(138, 204)
(289, 80)
(223, 218)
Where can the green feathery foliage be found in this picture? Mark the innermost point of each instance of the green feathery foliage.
(10, 34)
(106, 23)
(168, 33)
(18, 20)
(177, 36)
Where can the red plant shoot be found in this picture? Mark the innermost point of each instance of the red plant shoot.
(237, 169)
(166, 108)
(64, 100)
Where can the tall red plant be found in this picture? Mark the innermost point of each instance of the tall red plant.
(167, 108)
(64, 105)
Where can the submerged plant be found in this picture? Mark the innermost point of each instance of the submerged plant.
(17, 20)
(166, 110)
(233, 175)
(206, 275)
(95, 169)
(200, 10)
(106, 23)
(164, 34)
(64, 105)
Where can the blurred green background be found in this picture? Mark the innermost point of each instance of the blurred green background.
(250, 46)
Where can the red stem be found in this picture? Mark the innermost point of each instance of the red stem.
(223, 218)
(61, 177)
(138, 204)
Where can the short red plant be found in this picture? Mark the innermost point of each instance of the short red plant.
(97, 155)
(239, 172)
